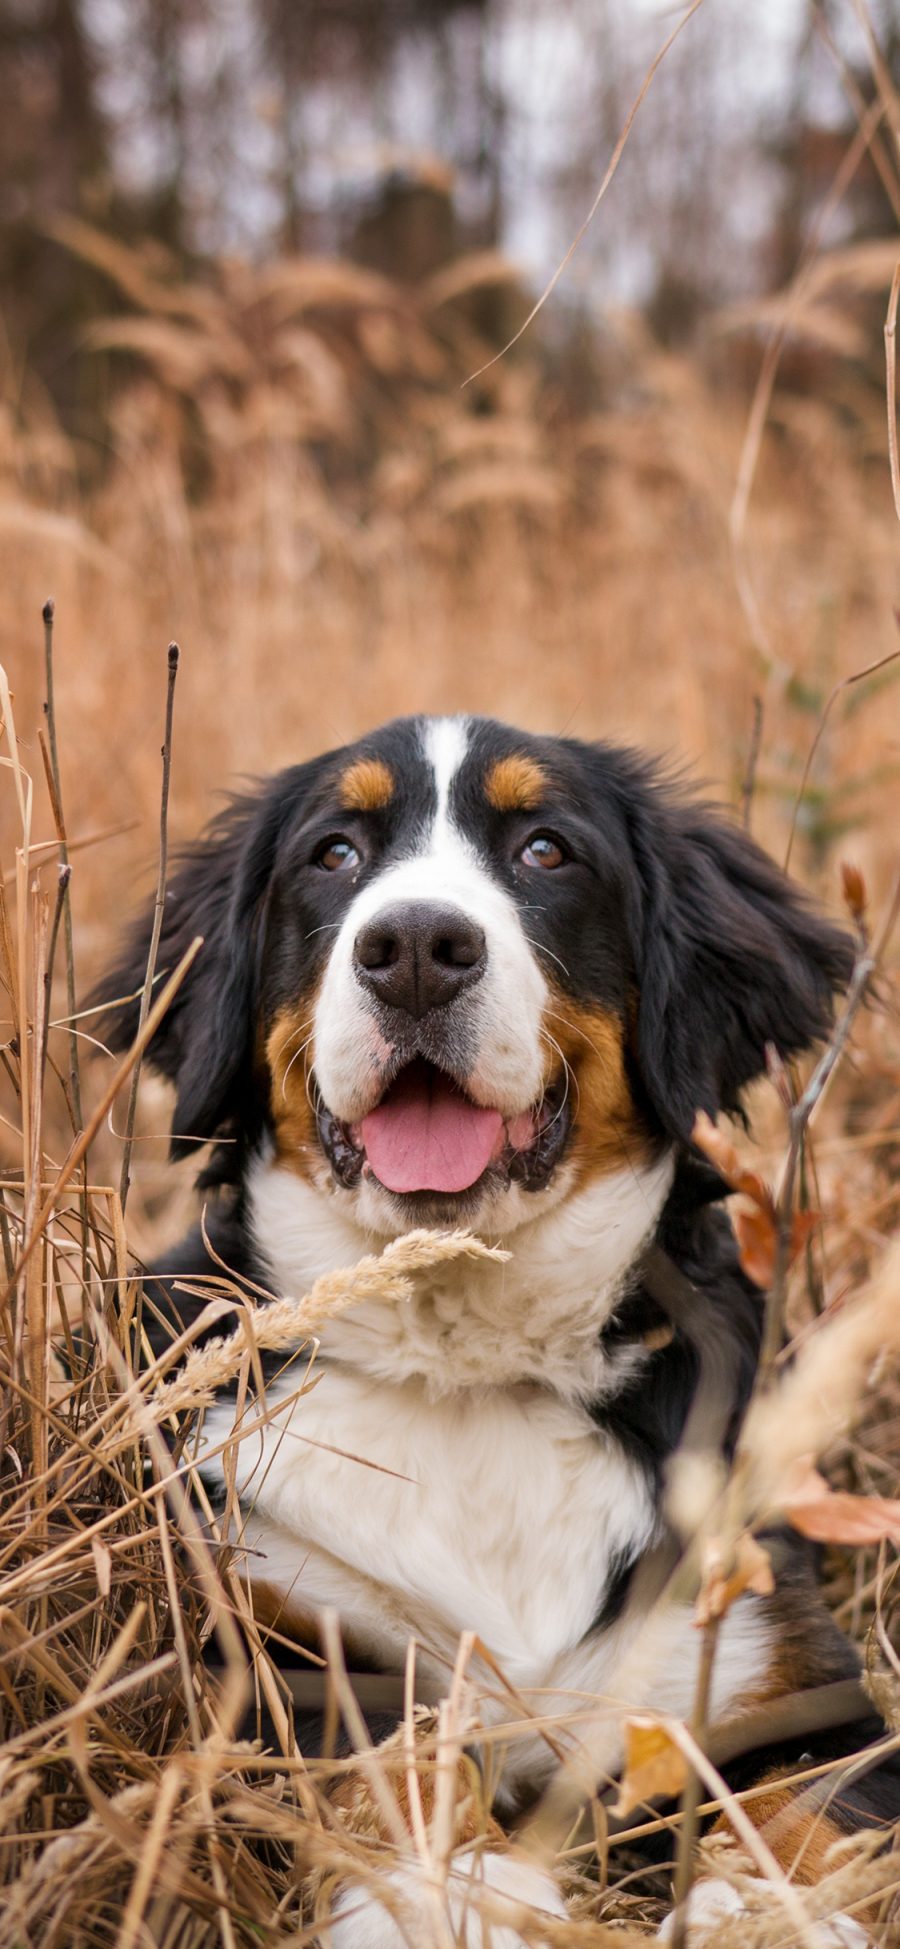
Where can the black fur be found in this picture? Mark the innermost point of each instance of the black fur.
(648, 1415)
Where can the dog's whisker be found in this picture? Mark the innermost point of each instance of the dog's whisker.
(569, 1073)
(296, 1057)
(540, 948)
(617, 1123)
(327, 927)
(301, 1029)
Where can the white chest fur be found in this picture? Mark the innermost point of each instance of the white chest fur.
(472, 1490)
(497, 1510)
(443, 1474)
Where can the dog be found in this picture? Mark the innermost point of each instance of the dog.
(455, 975)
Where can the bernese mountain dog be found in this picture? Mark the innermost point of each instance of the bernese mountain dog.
(455, 975)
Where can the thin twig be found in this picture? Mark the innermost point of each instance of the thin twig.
(358, 1732)
(752, 762)
(50, 714)
(867, 959)
(82, 845)
(856, 677)
(890, 355)
(613, 165)
(882, 157)
(158, 909)
(693, 1789)
(754, 1843)
(79, 1150)
(31, 1315)
(768, 372)
(62, 887)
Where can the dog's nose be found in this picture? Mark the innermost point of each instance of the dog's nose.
(419, 956)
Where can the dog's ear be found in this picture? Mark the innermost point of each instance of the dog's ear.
(204, 1044)
(729, 956)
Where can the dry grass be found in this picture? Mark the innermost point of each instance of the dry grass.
(291, 482)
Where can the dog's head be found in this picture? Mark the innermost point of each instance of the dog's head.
(454, 971)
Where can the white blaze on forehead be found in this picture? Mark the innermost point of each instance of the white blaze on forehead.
(446, 741)
(504, 1009)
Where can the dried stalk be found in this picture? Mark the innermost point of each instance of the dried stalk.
(56, 797)
(612, 166)
(80, 1149)
(890, 354)
(692, 1795)
(845, 684)
(867, 960)
(158, 909)
(768, 372)
(749, 784)
(285, 1323)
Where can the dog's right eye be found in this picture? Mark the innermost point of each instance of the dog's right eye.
(337, 855)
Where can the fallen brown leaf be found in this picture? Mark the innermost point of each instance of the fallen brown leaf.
(721, 1152)
(654, 1765)
(757, 1237)
(842, 1518)
(834, 1516)
(854, 890)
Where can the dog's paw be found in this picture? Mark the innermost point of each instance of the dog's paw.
(713, 1902)
(418, 1917)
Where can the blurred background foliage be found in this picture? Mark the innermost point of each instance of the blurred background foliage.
(403, 133)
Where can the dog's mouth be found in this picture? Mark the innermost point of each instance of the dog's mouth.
(427, 1135)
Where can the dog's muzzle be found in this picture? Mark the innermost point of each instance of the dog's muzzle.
(421, 966)
(419, 956)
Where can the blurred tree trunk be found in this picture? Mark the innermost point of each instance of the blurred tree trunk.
(54, 160)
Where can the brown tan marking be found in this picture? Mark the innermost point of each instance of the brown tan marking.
(288, 1054)
(366, 786)
(607, 1131)
(799, 1823)
(794, 1825)
(359, 1810)
(516, 784)
(282, 1611)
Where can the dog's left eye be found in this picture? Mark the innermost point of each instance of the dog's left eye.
(337, 855)
(543, 850)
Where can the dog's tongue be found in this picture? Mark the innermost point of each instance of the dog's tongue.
(425, 1135)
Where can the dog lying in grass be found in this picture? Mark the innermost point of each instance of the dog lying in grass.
(455, 976)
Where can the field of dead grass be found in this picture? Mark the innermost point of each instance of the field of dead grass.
(286, 473)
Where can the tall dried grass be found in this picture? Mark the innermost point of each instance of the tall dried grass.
(294, 481)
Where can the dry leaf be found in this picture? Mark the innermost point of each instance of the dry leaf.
(840, 1518)
(654, 1765)
(751, 1569)
(718, 1148)
(854, 888)
(803, 1224)
(833, 1516)
(757, 1237)
(721, 1152)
